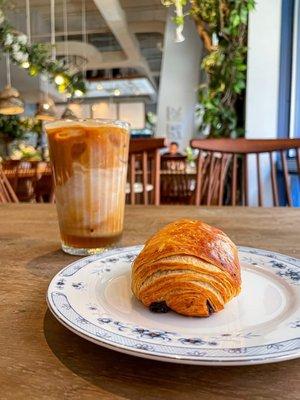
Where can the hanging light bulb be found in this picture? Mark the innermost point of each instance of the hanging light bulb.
(78, 93)
(10, 100)
(68, 113)
(25, 64)
(117, 92)
(59, 79)
(46, 110)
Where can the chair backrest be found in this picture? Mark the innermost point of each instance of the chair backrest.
(20, 168)
(144, 166)
(23, 176)
(10, 167)
(236, 151)
(173, 163)
(7, 194)
(175, 183)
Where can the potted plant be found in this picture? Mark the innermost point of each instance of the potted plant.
(11, 128)
(26, 153)
(14, 128)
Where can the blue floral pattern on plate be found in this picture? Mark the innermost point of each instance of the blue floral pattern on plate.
(164, 344)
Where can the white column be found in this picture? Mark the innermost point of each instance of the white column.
(295, 92)
(178, 84)
(264, 33)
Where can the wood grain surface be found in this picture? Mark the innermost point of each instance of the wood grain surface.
(40, 359)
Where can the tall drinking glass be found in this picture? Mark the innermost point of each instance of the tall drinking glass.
(89, 160)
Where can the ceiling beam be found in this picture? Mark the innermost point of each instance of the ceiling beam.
(134, 26)
(147, 27)
(115, 18)
(94, 58)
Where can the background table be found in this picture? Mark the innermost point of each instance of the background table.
(40, 359)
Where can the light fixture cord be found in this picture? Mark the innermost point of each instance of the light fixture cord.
(47, 88)
(8, 70)
(84, 35)
(52, 19)
(28, 21)
(65, 19)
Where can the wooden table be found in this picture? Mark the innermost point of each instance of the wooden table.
(40, 359)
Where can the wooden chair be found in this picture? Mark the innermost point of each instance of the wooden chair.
(236, 152)
(173, 163)
(44, 189)
(144, 169)
(176, 186)
(7, 194)
(24, 176)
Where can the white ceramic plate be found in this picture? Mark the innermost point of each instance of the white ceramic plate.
(92, 297)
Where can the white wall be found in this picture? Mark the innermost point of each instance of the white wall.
(263, 84)
(178, 84)
(104, 109)
(134, 113)
(295, 92)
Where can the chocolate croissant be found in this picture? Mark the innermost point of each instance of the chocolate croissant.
(189, 267)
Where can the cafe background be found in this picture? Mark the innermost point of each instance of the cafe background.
(173, 69)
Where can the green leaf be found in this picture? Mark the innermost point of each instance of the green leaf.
(244, 15)
(241, 67)
(251, 5)
(225, 67)
(236, 20)
(178, 20)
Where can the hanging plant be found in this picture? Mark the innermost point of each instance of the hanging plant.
(222, 26)
(36, 58)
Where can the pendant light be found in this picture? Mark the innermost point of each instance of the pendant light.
(46, 110)
(78, 92)
(59, 78)
(69, 114)
(10, 100)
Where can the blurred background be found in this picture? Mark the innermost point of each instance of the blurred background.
(174, 69)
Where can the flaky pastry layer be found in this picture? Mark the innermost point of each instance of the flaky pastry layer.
(190, 266)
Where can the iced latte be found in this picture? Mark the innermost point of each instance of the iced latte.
(89, 160)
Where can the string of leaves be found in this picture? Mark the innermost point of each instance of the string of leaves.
(222, 26)
(36, 58)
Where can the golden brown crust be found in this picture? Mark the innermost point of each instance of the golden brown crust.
(189, 265)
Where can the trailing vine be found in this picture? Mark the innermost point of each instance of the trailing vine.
(222, 26)
(36, 58)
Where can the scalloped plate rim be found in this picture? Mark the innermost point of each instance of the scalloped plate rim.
(236, 359)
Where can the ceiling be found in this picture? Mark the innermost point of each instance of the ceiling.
(121, 34)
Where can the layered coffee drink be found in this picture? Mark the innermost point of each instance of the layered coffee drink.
(89, 160)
